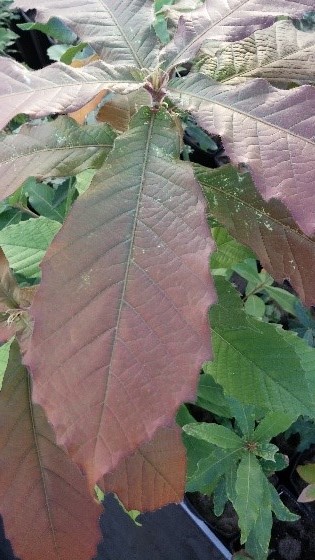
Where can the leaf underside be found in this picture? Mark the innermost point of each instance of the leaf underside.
(131, 330)
(266, 227)
(152, 477)
(42, 492)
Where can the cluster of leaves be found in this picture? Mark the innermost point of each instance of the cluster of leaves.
(117, 330)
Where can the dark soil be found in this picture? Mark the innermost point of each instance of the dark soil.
(289, 541)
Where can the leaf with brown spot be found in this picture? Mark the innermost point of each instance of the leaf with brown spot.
(124, 348)
(48, 512)
(153, 476)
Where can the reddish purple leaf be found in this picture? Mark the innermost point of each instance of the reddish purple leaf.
(153, 476)
(47, 509)
(267, 227)
(270, 131)
(230, 20)
(120, 31)
(57, 88)
(121, 326)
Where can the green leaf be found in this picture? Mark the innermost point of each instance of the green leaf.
(71, 52)
(196, 450)
(246, 359)
(24, 244)
(278, 507)
(266, 451)
(84, 179)
(249, 493)
(4, 358)
(183, 416)
(215, 434)
(211, 397)
(244, 416)
(285, 299)
(53, 28)
(255, 306)
(219, 497)
(307, 472)
(43, 199)
(248, 270)
(213, 467)
(272, 424)
(278, 463)
(132, 513)
(229, 252)
(257, 543)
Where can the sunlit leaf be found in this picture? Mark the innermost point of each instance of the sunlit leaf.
(133, 309)
(58, 88)
(266, 130)
(247, 360)
(120, 31)
(25, 244)
(225, 21)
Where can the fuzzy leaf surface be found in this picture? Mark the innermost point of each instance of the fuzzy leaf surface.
(247, 361)
(272, 424)
(47, 509)
(120, 31)
(132, 311)
(57, 148)
(280, 54)
(267, 227)
(268, 130)
(153, 476)
(57, 88)
(225, 21)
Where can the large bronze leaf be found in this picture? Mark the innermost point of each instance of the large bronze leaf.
(153, 476)
(267, 227)
(57, 88)
(268, 130)
(120, 31)
(48, 512)
(230, 20)
(121, 314)
(57, 148)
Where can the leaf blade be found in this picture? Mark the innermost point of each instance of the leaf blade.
(120, 31)
(60, 148)
(127, 230)
(58, 88)
(56, 492)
